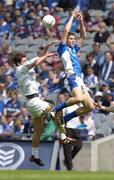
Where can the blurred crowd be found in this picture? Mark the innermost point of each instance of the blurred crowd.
(21, 29)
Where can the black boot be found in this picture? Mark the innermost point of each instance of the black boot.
(37, 161)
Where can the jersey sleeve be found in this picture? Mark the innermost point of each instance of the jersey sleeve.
(29, 62)
(77, 48)
(61, 48)
(33, 59)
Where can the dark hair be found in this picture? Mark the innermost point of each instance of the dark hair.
(70, 34)
(17, 57)
(89, 55)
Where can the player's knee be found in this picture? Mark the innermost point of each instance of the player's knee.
(79, 99)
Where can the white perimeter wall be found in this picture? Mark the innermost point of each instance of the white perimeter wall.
(94, 156)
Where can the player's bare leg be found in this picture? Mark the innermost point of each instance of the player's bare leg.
(38, 124)
(79, 96)
(61, 128)
(88, 106)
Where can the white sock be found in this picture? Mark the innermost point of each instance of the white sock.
(63, 136)
(35, 152)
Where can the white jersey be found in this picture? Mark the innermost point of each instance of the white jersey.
(26, 79)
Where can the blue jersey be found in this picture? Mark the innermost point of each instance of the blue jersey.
(69, 59)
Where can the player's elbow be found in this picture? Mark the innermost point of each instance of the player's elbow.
(83, 36)
(36, 62)
(66, 31)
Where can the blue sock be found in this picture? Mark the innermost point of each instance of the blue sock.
(70, 116)
(60, 106)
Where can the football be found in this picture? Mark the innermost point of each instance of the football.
(48, 21)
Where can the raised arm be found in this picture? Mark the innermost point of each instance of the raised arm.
(82, 29)
(39, 60)
(68, 27)
(108, 109)
(45, 48)
(75, 14)
(104, 108)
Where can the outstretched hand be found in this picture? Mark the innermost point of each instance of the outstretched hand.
(52, 42)
(98, 105)
(77, 13)
(45, 48)
(79, 16)
(49, 54)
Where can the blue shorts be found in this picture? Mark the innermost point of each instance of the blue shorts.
(74, 81)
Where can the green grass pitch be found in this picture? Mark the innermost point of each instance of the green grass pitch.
(54, 175)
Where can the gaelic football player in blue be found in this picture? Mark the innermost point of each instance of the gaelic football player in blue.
(68, 48)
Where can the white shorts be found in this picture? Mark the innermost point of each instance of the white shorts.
(74, 81)
(36, 106)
